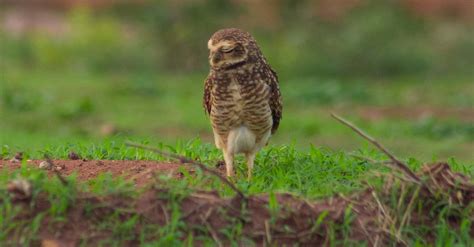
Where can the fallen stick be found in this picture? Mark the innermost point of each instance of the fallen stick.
(398, 164)
(385, 162)
(184, 160)
(58, 174)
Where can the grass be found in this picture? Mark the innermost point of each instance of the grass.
(47, 113)
(316, 172)
(313, 174)
(40, 108)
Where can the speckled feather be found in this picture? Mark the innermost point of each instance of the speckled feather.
(258, 85)
(241, 96)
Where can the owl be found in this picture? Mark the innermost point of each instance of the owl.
(241, 96)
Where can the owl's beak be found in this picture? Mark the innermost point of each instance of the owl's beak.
(215, 57)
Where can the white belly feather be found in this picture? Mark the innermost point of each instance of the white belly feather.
(241, 140)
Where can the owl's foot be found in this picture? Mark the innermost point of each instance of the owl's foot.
(250, 162)
(230, 173)
(229, 163)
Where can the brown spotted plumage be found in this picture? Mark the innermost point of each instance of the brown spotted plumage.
(241, 96)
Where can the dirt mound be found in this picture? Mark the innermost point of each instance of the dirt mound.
(376, 216)
(138, 171)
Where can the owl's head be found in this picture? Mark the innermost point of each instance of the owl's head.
(231, 48)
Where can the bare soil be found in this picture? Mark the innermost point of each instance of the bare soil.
(372, 218)
(138, 171)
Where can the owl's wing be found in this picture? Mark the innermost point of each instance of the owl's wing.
(275, 100)
(206, 102)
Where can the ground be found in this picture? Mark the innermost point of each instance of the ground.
(310, 157)
(138, 171)
(324, 196)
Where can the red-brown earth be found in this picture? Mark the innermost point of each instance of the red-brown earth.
(138, 171)
(206, 213)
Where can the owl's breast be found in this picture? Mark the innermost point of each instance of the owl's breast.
(228, 103)
(239, 103)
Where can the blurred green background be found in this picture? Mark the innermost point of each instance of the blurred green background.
(81, 71)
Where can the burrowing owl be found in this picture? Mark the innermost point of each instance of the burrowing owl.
(241, 95)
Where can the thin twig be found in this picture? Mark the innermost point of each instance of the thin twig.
(347, 199)
(365, 231)
(399, 164)
(58, 174)
(194, 210)
(401, 178)
(268, 235)
(401, 200)
(212, 231)
(368, 159)
(407, 212)
(186, 160)
(377, 237)
(381, 207)
(165, 213)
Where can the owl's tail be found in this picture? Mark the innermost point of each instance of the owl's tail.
(241, 140)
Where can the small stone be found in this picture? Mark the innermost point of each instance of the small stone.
(45, 165)
(19, 189)
(18, 157)
(73, 156)
(60, 167)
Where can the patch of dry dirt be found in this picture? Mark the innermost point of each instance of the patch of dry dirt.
(139, 171)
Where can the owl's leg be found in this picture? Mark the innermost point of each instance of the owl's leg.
(229, 162)
(217, 139)
(250, 161)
